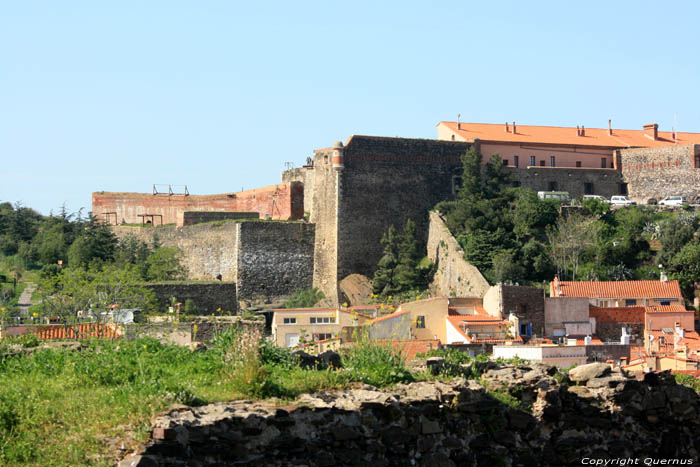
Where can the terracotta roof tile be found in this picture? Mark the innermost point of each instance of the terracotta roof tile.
(618, 289)
(556, 135)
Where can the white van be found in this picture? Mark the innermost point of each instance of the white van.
(562, 196)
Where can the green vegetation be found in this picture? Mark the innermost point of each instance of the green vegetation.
(513, 236)
(304, 298)
(62, 405)
(403, 268)
(688, 380)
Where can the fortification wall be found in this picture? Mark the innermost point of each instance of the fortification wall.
(454, 276)
(603, 182)
(208, 249)
(324, 215)
(387, 181)
(660, 172)
(282, 201)
(274, 259)
(208, 297)
(268, 260)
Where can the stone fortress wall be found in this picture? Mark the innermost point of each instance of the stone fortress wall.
(660, 172)
(352, 194)
(266, 260)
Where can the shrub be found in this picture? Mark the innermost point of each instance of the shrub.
(376, 364)
(304, 298)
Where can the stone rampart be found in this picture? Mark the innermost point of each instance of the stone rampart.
(660, 172)
(274, 259)
(283, 201)
(266, 260)
(208, 250)
(454, 276)
(208, 297)
(576, 181)
(384, 181)
(303, 175)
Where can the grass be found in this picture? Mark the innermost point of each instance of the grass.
(61, 406)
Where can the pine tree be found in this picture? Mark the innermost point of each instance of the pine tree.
(384, 276)
(407, 276)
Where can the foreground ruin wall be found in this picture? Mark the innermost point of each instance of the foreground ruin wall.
(660, 172)
(266, 260)
(283, 201)
(602, 416)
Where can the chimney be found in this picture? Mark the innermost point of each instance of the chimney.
(610, 127)
(514, 130)
(459, 125)
(651, 130)
(578, 131)
(675, 141)
(583, 131)
(507, 129)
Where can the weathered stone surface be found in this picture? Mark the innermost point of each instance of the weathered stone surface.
(589, 371)
(437, 423)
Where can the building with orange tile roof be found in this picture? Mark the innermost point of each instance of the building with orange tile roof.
(619, 293)
(538, 145)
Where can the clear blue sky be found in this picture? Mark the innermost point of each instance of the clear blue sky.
(117, 96)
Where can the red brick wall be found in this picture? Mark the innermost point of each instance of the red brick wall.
(284, 201)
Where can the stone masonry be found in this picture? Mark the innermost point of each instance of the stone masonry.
(594, 414)
(660, 172)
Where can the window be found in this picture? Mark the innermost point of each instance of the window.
(322, 320)
(532, 160)
(664, 302)
(552, 161)
(453, 137)
(578, 163)
(603, 163)
(322, 336)
(420, 322)
(505, 162)
(697, 162)
(516, 161)
(290, 321)
(542, 163)
(552, 186)
(588, 188)
(603, 303)
(630, 302)
(623, 188)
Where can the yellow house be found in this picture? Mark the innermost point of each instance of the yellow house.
(294, 326)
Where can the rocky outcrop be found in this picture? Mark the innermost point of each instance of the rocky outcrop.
(524, 415)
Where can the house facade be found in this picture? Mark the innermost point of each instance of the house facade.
(295, 326)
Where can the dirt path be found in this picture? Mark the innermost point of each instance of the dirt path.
(25, 299)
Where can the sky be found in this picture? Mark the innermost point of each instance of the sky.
(218, 96)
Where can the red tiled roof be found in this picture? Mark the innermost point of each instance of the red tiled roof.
(667, 309)
(623, 314)
(618, 289)
(567, 136)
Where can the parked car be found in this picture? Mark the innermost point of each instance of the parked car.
(652, 201)
(672, 201)
(621, 201)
